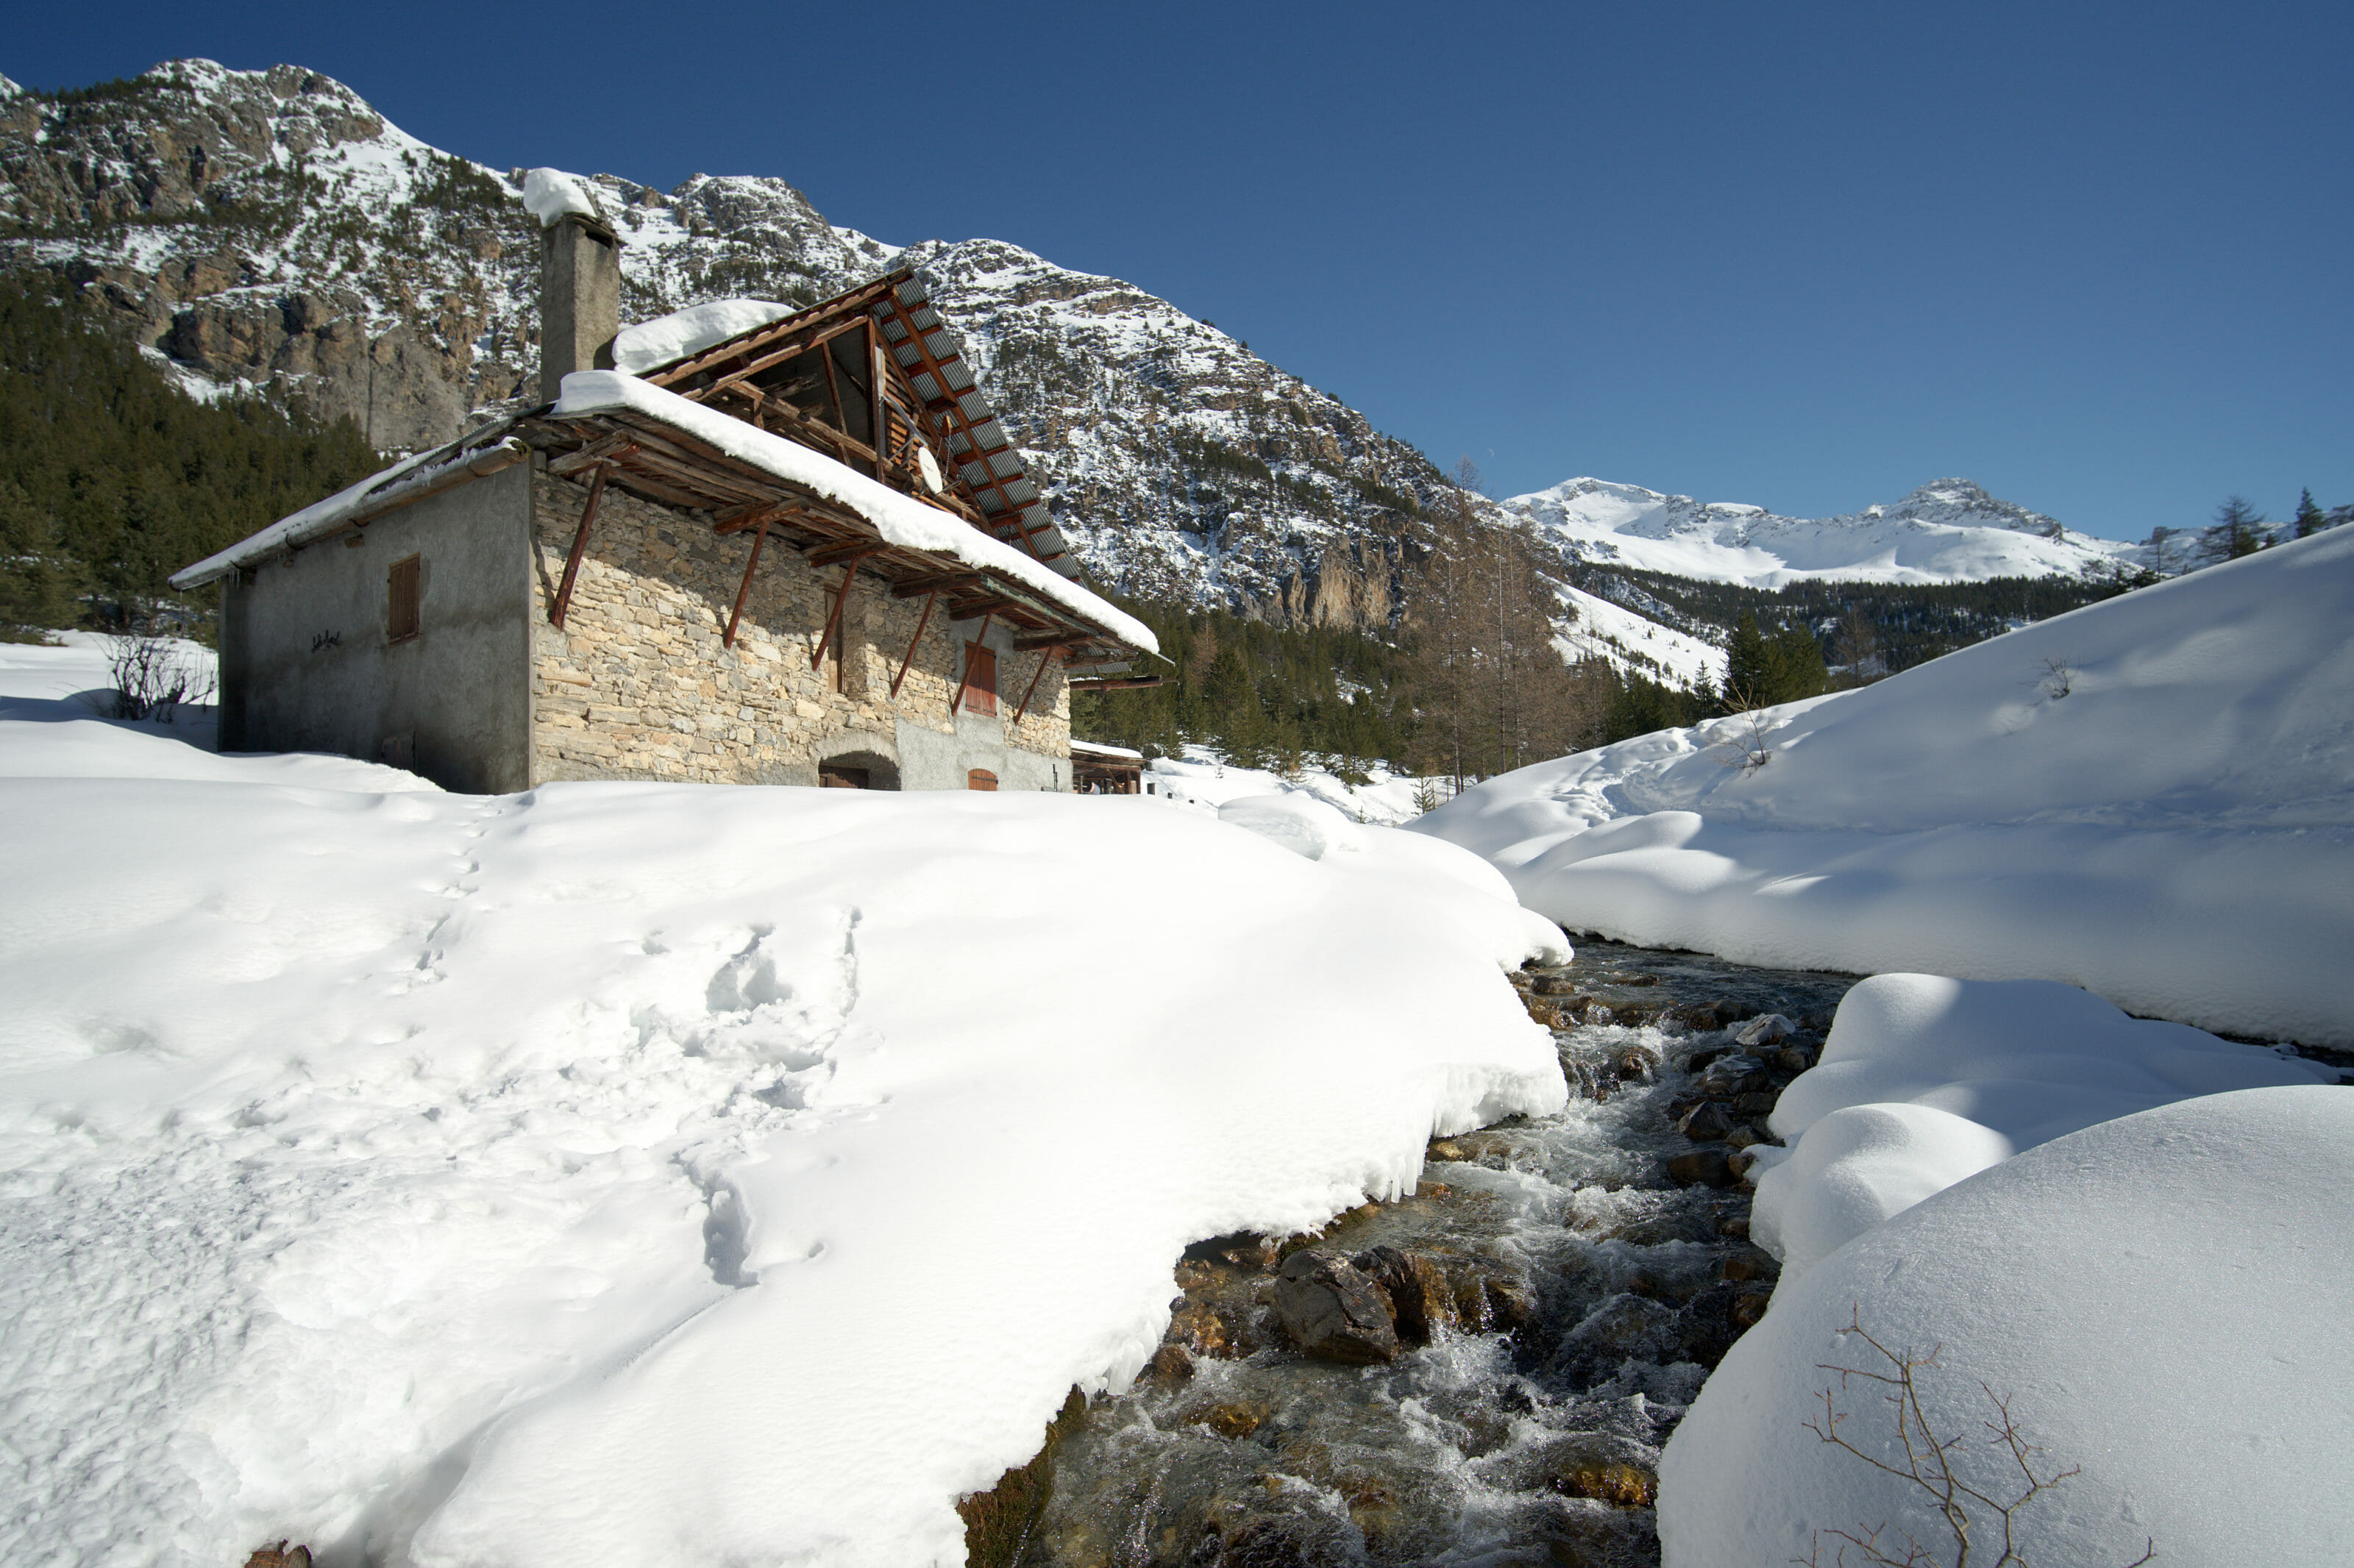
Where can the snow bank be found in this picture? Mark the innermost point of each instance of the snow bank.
(666, 340)
(1925, 1080)
(2148, 797)
(1200, 779)
(551, 194)
(2161, 1298)
(901, 519)
(660, 1174)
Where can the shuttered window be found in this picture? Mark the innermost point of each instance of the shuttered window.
(404, 600)
(980, 779)
(979, 679)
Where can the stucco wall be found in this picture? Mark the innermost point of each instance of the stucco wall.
(637, 685)
(306, 664)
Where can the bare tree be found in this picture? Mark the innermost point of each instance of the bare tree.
(154, 676)
(1931, 1466)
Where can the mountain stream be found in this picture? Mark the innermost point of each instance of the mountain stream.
(1493, 1361)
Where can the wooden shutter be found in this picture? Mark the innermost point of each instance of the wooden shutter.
(404, 600)
(980, 779)
(980, 681)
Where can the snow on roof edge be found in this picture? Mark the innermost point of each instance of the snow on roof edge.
(319, 517)
(1093, 749)
(900, 519)
(682, 335)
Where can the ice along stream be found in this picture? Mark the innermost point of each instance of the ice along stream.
(1482, 1373)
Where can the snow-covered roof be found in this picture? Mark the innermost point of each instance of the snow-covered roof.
(983, 460)
(666, 340)
(899, 519)
(1115, 753)
(413, 478)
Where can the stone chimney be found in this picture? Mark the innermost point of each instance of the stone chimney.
(580, 299)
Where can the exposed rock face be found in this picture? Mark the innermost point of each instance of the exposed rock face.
(268, 228)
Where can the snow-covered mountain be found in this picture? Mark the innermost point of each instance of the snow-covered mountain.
(272, 228)
(1948, 531)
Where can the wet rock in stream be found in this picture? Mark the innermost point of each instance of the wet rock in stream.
(1482, 1371)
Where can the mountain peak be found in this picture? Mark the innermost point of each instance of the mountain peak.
(1948, 530)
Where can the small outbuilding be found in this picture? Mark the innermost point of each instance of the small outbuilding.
(1099, 769)
(744, 543)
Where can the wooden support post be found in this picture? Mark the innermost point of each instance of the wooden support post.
(834, 390)
(841, 597)
(916, 641)
(956, 698)
(744, 590)
(882, 442)
(580, 547)
(1045, 655)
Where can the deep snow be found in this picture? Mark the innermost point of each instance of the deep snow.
(2148, 797)
(1925, 1080)
(2162, 1300)
(650, 1173)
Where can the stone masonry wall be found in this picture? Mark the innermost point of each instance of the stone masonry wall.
(637, 685)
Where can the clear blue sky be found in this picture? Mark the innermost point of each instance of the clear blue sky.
(2099, 258)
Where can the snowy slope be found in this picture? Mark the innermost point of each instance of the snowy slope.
(1595, 628)
(1948, 531)
(2148, 797)
(666, 1175)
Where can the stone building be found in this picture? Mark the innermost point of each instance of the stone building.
(744, 544)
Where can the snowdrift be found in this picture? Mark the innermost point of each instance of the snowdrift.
(654, 1174)
(1926, 1080)
(2160, 1298)
(2149, 798)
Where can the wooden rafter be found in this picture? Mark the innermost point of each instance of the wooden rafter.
(916, 641)
(744, 589)
(793, 326)
(1051, 653)
(956, 698)
(841, 597)
(580, 547)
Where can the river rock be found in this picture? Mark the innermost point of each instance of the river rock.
(1601, 1466)
(1332, 1310)
(1702, 1167)
(1418, 1293)
(1706, 1122)
(1556, 985)
(1766, 1031)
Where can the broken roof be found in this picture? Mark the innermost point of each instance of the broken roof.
(985, 464)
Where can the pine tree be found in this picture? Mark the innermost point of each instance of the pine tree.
(2310, 519)
(2239, 522)
(1749, 667)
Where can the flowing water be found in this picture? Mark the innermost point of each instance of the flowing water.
(1561, 1292)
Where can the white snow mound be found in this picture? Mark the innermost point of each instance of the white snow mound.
(665, 340)
(2151, 797)
(551, 194)
(659, 1174)
(1301, 823)
(2161, 1299)
(1924, 1080)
